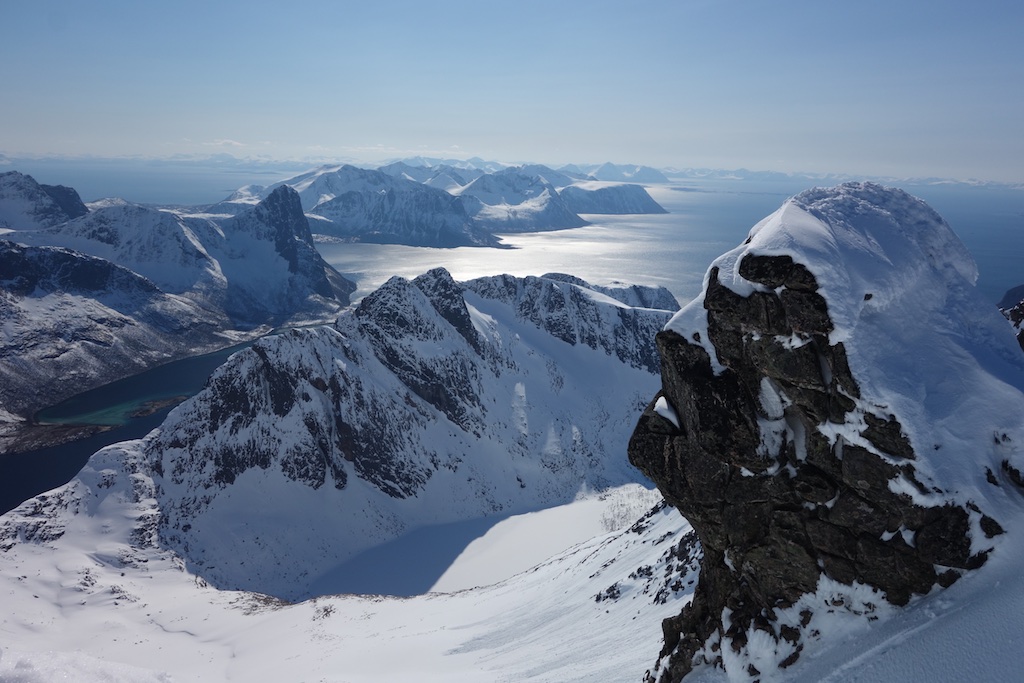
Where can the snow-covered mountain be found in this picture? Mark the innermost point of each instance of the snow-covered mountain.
(124, 287)
(431, 402)
(373, 206)
(840, 420)
(72, 321)
(628, 173)
(607, 198)
(442, 176)
(512, 201)
(259, 266)
(839, 391)
(27, 205)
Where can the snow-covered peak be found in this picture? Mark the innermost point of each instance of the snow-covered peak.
(28, 205)
(628, 173)
(899, 286)
(851, 404)
(510, 186)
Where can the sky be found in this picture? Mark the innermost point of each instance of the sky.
(909, 88)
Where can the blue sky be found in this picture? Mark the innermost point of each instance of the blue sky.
(875, 88)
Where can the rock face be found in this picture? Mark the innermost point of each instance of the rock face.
(779, 451)
(1012, 306)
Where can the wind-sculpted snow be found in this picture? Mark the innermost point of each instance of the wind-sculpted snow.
(840, 421)
(429, 403)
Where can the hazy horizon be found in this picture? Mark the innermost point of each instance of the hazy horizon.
(912, 89)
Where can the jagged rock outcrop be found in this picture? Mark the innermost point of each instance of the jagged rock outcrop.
(1012, 306)
(801, 468)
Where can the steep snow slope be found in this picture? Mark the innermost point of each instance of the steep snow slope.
(431, 402)
(103, 598)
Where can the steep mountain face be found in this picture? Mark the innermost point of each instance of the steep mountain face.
(259, 266)
(431, 402)
(271, 265)
(373, 206)
(28, 205)
(512, 201)
(125, 287)
(610, 199)
(73, 321)
(838, 421)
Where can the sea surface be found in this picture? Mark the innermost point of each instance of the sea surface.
(705, 219)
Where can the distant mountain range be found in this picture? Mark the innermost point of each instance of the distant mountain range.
(438, 204)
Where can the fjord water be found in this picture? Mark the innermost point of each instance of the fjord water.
(673, 250)
(122, 404)
(705, 219)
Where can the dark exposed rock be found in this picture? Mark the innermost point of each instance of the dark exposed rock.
(1012, 307)
(776, 504)
(67, 199)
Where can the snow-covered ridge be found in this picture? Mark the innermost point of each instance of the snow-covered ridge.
(442, 205)
(899, 287)
(27, 205)
(431, 402)
(159, 286)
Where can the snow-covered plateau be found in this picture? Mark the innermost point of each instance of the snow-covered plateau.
(839, 409)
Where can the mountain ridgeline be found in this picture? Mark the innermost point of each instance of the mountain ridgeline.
(431, 402)
(447, 206)
(89, 296)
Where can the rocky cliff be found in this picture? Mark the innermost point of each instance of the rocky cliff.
(838, 410)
